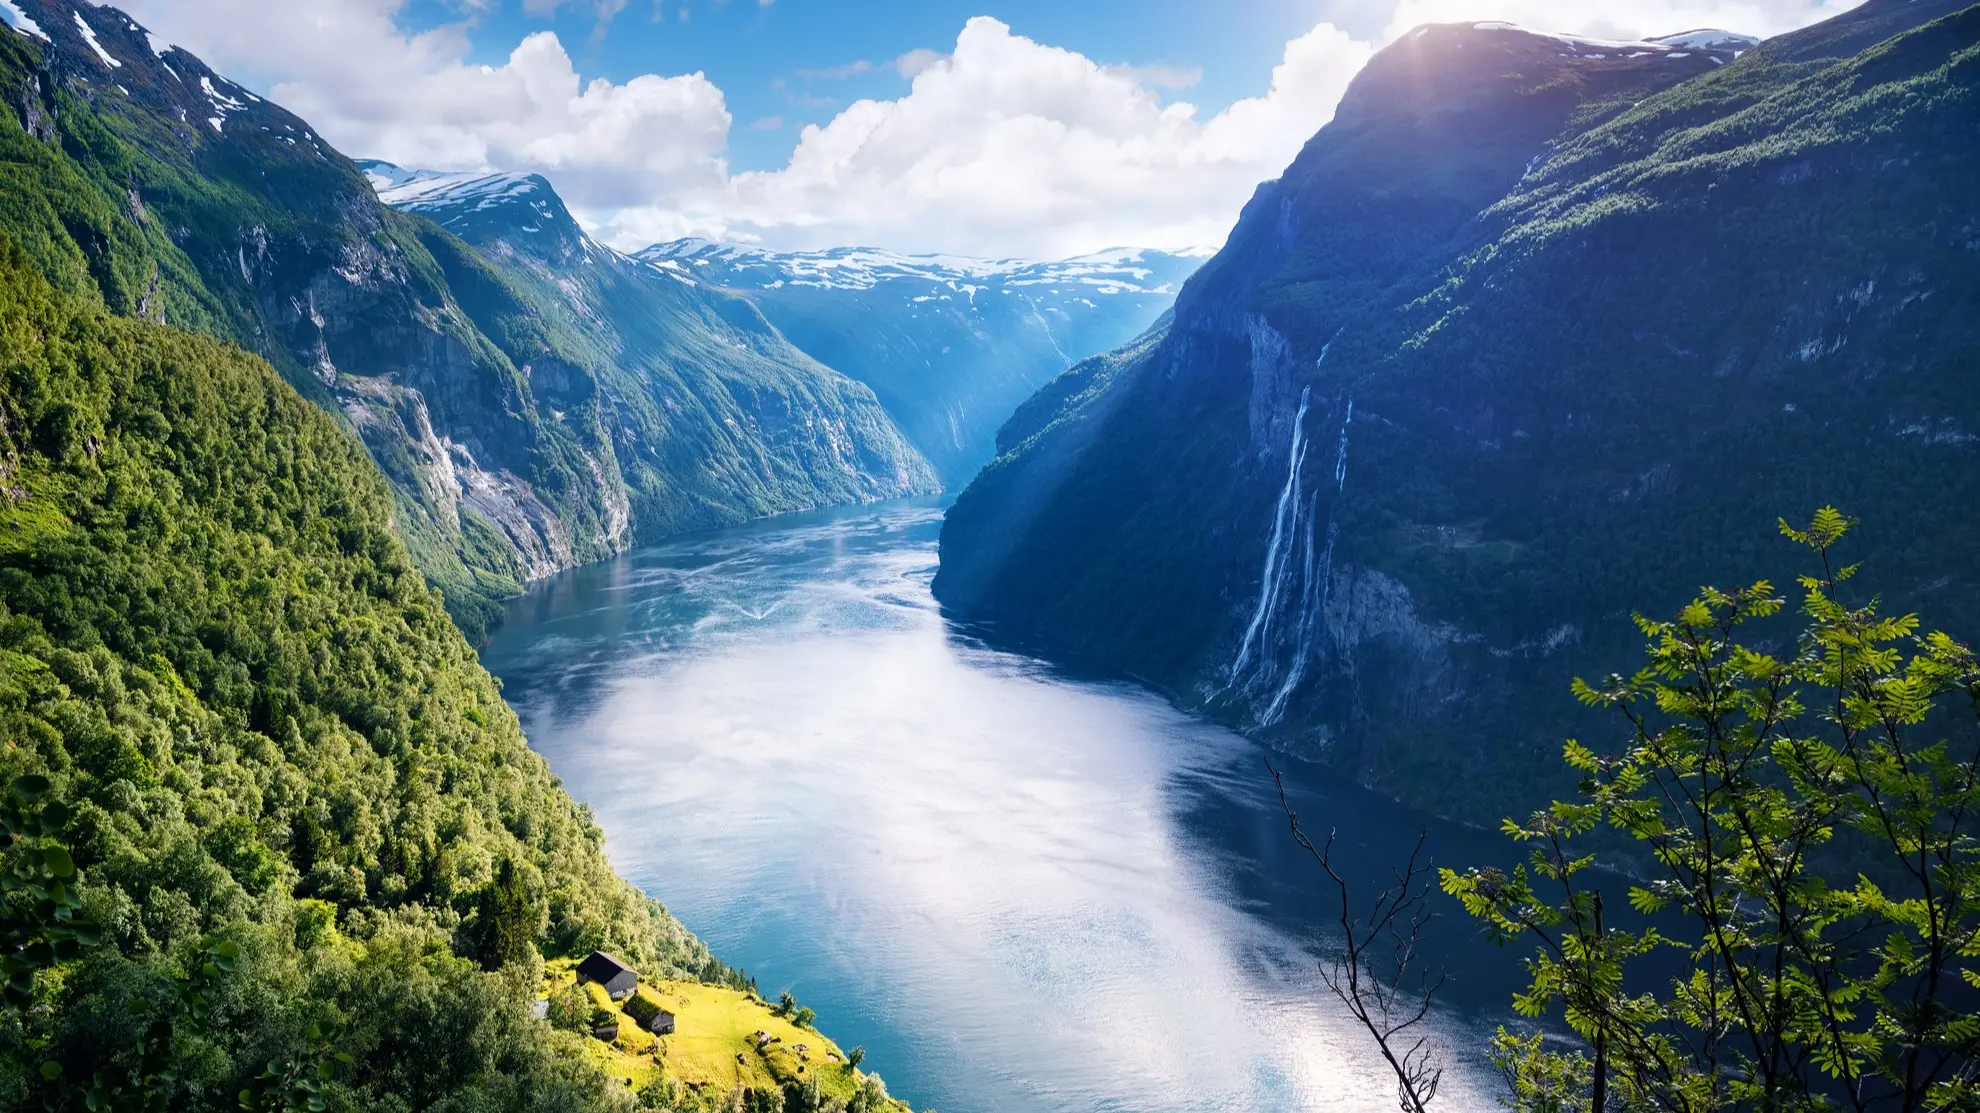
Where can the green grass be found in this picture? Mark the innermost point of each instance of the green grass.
(714, 1048)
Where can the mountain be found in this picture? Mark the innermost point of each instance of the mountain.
(273, 840)
(950, 345)
(307, 856)
(141, 178)
(269, 734)
(715, 416)
(1537, 330)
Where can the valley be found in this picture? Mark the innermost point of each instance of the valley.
(1457, 396)
(1077, 684)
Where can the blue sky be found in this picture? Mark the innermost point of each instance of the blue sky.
(795, 62)
(1039, 128)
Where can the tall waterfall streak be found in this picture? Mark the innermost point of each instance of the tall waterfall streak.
(1288, 509)
(1316, 586)
(1304, 621)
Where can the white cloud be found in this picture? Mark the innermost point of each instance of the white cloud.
(376, 91)
(914, 61)
(1009, 146)
(1004, 146)
(1164, 77)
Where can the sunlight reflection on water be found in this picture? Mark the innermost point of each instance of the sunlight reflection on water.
(1019, 890)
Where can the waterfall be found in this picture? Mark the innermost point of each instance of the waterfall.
(1295, 583)
(1315, 586)
(1286, 515)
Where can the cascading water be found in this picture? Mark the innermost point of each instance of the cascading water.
(1287, 514)
(1293, 590)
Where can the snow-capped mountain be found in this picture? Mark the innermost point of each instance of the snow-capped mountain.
(1708, 41)
(432, 190)
(1106, 273)
(509, 207)
(952, 345)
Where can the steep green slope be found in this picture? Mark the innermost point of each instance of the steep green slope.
(1516, 325)
(951, 346)
(715, 417)
(173, 194)
(214, 646)
(214, 210)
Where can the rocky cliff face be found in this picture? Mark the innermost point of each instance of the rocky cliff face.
(172, 193)
(714, 416)
(950, 345)
(1537, 330)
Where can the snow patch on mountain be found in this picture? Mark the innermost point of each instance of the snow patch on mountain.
(19, 20)
(1681, 45)
(1118, 270)
(89, 36)
(1709, 38)
(422, 190)
(223, 104)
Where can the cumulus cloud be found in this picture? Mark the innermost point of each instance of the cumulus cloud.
(376, 91)
(1003, 145)
(914, 61)
(1010, 146)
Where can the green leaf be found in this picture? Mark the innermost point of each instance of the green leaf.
(56, 861)
(55, 817)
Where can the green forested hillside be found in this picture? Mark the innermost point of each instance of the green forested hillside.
(167, 192)
(1529, 335)
(715, 417)
(213, 645)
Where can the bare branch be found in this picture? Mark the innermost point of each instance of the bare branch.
(1377, 973)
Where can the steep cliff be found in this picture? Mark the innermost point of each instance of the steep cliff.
(713, 415)
(950, 345)
(137, 175)
(268, 733)
(1536, 330)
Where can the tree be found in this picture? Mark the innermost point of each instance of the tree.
(1803, 854)
(570, 1009)
(41, 917)
(511, 916)
(855, 1057)
(804, 1018)
(1375, 972)
(786, 1004)
(1754, 785)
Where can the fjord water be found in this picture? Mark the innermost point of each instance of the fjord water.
(1020, 889)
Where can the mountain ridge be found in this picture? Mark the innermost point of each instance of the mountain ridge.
(1405, 441)
(951, 345)
(211, 208)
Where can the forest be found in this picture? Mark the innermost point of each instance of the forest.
(273, 838)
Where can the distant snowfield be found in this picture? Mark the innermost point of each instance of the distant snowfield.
(416, 189)
(1113, 271)
(1679, 45)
